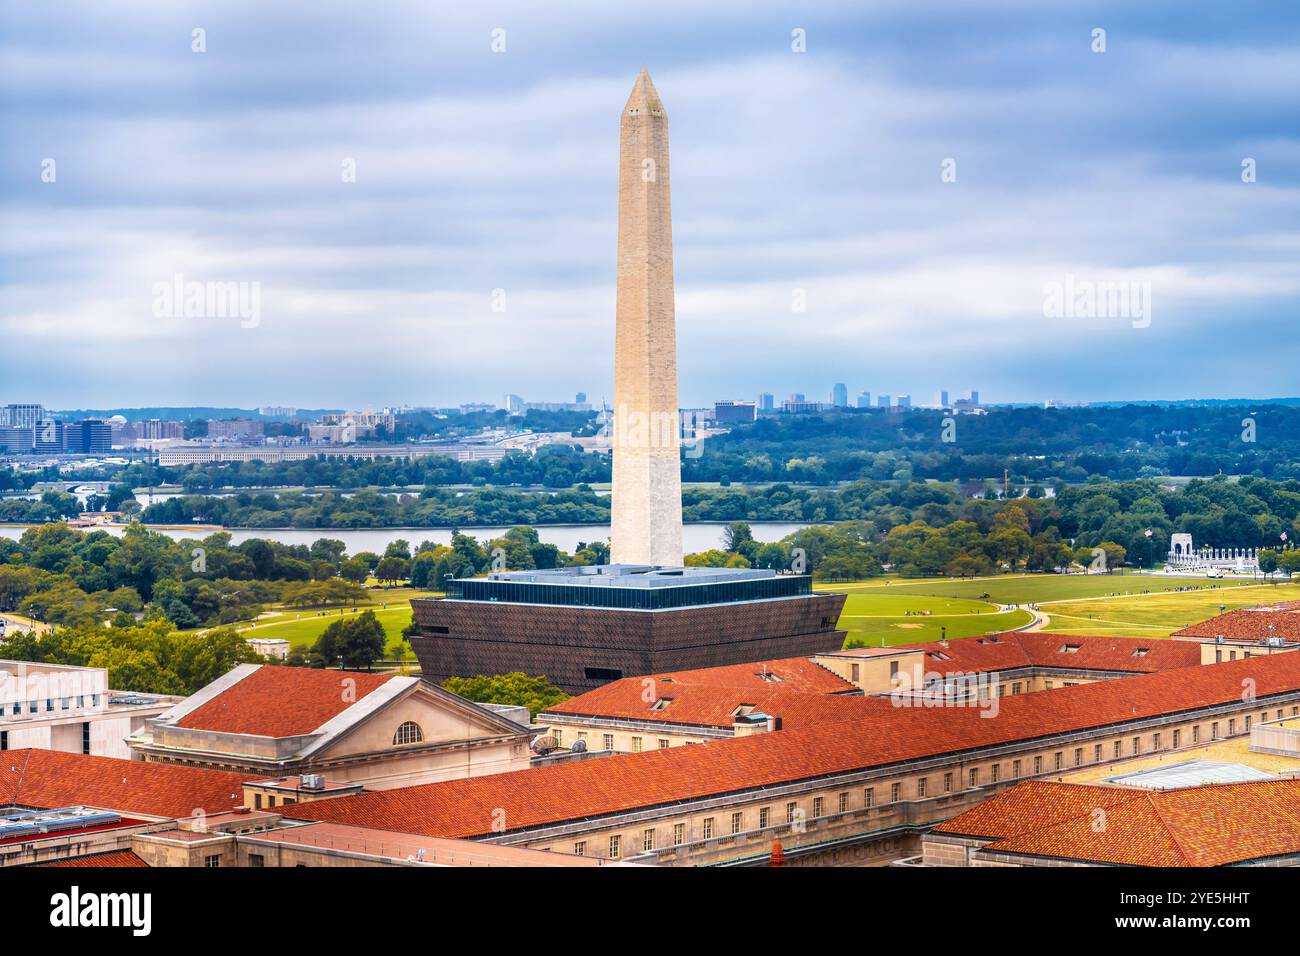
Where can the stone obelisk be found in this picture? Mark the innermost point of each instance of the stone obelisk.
(646, 501)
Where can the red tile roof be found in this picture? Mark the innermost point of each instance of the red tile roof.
(1213, 825)
(1249, 624)
(118, 858)
(810, 692)
(589, 788)
(787, 673)
(996, 652)
(47, 779)
(712, 705)
(282, 701)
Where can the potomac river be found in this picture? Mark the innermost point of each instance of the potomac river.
(695, 537)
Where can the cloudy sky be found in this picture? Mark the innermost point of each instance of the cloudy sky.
(816, 176)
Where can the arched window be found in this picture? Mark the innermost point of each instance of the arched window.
(408, 733)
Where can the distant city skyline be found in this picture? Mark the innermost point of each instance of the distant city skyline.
(402, 212)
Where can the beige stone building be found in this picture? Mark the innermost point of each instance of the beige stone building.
(70, 709)
(378, 730)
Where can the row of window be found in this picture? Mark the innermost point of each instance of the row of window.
(709, 826)
(607, 741)
(65, 703)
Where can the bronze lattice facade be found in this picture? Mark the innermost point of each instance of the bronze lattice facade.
(580, 648)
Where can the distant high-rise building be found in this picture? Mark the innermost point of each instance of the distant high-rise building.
(904, 401)
(974, 397)
(941, 398)
(514, 404)
(90, 436)
(22, 416)
(730, 413)
(882, 401)
(840, 395)
(864, 399)
(766, 401)
(580, 398)
(235, 428)
(797, 398)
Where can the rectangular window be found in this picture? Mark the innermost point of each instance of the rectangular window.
(764, 817)
(1015, 768)
(1214, 730)
(1196, 733)
(609, 741)
(947, 782)
(1178, 736)
(4, 740)
(853, 670)
(996, 770)
(615, 846)
(257, 801)
(1119, 749)
(558, 734)
(1038, 764)
(708, 828)
(1058, 759)
(819, 804)
(790, 810)
(85, 737)
(867, 796)
(1232, 726)
(1015, 688)
(212, 862)
(921, 786)
(580, 848)
(679, 834)
(737, 822)
(1078, 756)
(844, 802)
(1155, 741)
(636, 745)
(663, 743)
(1137, 746)
(895, 792)
(974, 776)
(893, 670)
(648, 840)
(256, 859)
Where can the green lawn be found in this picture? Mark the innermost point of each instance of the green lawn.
(1157, 615)
(301, 627)
(1036, 588)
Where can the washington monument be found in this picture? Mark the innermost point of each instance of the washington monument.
(646, 500)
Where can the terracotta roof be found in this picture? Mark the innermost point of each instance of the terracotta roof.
(282, 701)
(1247, 624)
(712, 705)
(589, 788)
(1213, 825)
(994, 652)
(118, 858)
(48, 778)
(787, 673)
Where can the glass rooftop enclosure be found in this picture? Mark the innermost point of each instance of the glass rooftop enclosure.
(630, 586)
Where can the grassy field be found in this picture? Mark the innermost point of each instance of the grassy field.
(1036, 588)
(1132, 605)
(1157, 615)
(301, 627)
(876, 619)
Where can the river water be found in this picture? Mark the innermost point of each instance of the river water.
(695, 537)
